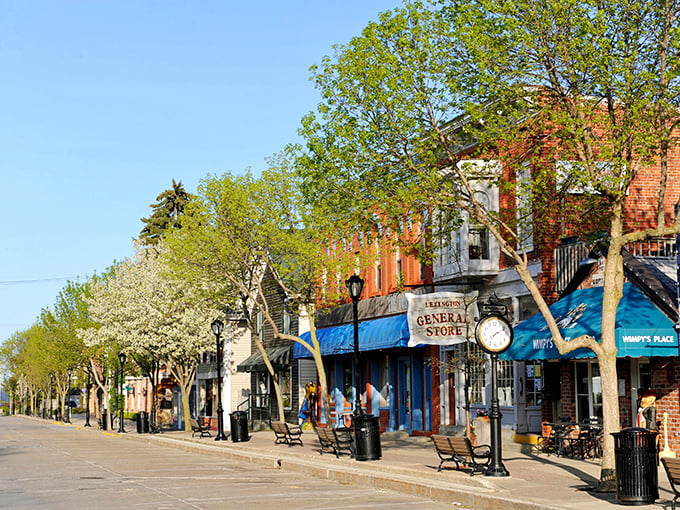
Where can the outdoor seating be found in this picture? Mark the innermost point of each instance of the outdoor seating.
(335, 441)
(672, 467)
(461, 451)
(326, 439)
(587, 442)
(568, 439)
(199, 428)
(548, 444)
(283, 434)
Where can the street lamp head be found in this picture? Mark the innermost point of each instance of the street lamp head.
(122, 357)
(355, 284)
(217, 327)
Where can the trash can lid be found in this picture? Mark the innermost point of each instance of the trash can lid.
(634, 430)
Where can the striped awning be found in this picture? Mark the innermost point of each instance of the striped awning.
(278, 356)
(383, 333)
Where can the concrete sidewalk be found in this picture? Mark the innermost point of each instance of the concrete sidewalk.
(409, 465)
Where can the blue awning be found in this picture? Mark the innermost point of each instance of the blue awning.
(374, 334)
(641, 328)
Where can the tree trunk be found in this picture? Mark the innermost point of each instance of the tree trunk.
(323, 386)
(610, 420)
(606, 354)
(184, 372)
(185, 405)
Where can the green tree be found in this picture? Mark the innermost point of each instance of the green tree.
(518, 82)
(241, 227)
(64, 352)
(166, 214)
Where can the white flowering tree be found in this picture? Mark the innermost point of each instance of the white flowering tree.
(240, 227)
(145, 310)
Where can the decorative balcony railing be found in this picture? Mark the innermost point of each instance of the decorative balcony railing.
(654, 247)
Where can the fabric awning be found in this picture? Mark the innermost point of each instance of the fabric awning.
(641, 328)
(278, 356)
(374, 334)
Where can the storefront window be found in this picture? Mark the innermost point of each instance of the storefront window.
(207, 398)
(285, 383)
(477, 360)
(384, 374)
(534, 383)
(347, 383)
(506, 387)
(262, 390)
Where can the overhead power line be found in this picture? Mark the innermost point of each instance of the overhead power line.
(37, 280)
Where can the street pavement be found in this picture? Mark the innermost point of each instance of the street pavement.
(48, 466)
(409, 465)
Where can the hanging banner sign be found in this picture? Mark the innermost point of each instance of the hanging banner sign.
(441, 318)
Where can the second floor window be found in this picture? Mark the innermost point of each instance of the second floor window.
(478, 235)
(259, 325)
(286, 319)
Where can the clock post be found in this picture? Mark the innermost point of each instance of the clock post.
(496, 467)
(494, 335)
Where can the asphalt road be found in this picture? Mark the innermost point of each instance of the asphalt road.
(46, 465)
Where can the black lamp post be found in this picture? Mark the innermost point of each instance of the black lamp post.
(217, 326)
(121, 358)
(355, 284)
(87, 398)
(67, 418)
(51, 414)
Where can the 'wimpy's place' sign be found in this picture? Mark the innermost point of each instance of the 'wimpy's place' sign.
(442, 318)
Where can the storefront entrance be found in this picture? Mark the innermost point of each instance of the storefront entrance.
(588, 391)
(404, 393)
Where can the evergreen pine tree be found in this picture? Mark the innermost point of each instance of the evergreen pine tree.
(166, 214)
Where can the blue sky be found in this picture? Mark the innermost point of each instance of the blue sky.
(105, 102)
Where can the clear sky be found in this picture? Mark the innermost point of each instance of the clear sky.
(105, 102)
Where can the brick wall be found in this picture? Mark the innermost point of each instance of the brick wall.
(665, 379)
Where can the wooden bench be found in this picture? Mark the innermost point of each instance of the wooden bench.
(461, 451)
(199, 428)
(284, 435)
(672, 467)
(326, 439)
(335, 441)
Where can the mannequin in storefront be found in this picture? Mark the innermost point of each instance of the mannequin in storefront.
(307, 415)
(647, 412)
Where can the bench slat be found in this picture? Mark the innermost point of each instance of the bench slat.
(284, 435)
(460, 450)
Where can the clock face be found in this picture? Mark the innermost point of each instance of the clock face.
(494, 334)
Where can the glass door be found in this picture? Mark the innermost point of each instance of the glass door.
(404, 367)
(588, 391)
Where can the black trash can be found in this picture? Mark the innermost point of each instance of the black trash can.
(239, 426)
(142, 422)
(367, 437)
(105, 420)
(637, 475)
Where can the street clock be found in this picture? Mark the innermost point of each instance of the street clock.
(494, 334)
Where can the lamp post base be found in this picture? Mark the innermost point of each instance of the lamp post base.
(498, 470)
(220, 424)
